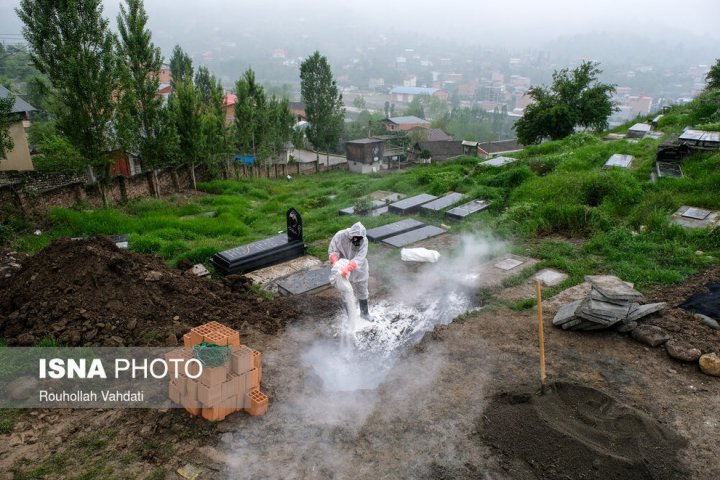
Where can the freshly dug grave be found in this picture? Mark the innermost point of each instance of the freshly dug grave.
(574, 431)
(89, 292)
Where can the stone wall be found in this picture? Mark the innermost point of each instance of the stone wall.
(32, 193)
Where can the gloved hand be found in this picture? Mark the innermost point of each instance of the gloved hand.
(333, 258)
(350, 267)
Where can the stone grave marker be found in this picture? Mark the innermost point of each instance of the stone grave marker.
(462, 211)
(619, 160)
(376, 204)
(498, 161)
(550, 277)
(412, 204)
(422, 233)
(696, 213)
(305, 282)
(442, 203)
(380, 233)
(508, 264)
(266, 252)
(668, 169)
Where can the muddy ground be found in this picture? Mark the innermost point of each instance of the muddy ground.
(461, 404)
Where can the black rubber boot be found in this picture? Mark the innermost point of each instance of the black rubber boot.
(364, 313)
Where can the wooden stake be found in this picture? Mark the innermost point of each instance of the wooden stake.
(541, 334)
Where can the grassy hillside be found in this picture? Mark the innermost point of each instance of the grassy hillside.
(556, 203)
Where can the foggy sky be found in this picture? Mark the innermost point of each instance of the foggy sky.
(506, 22)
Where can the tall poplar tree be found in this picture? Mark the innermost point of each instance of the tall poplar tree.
(180, 66)
(71, 44)
(323, 102)
(142, 125)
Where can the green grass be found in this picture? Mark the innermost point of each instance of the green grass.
(556, 203)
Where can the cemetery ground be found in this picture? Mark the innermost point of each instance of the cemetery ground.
(462, 402)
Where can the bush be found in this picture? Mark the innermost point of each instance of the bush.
(362, 205)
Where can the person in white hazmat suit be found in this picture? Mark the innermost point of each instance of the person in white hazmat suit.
(352, 244)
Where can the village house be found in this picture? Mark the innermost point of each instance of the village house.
(19, 157)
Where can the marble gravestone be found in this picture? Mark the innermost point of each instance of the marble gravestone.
(264, 253)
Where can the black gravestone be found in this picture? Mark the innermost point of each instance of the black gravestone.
(378, 233)
(266, 252)
(412, 204)
(294, 226)
(428, 231)
(441, 203)
(458, 213)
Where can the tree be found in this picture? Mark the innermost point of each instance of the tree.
(6, 141)
(416, 108)
(186, 112)
(713, 76)
(72, 45)
(181, 68)
(140, 108)
(575, 99)
(250, 114)
(323, 103)
(262, 127)
(359, 102)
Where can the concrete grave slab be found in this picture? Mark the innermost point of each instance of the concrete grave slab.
(385, 231)
(267, 275)
(549, 277)
(462, 211)
(412, 204)
(508, 264)
(387, 197)
(305, 282)
(376, 204)
(498, 162)
(694, 217)
(668, 169)
(696, 213)
(407, 238)
(487, 275)
(619, 160)
(442, 203)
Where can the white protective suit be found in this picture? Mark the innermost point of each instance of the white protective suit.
(341, 245)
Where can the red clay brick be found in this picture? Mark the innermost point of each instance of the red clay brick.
(209, 396)
(259, 403)
(212, 376)
(241, 360)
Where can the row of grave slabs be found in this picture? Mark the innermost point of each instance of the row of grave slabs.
(397, 234)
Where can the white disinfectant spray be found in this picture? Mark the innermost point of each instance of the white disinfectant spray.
(354, 322)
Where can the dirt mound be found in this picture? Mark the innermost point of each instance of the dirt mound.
(89, 292)
(575, 431)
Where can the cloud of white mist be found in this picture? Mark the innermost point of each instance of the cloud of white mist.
(382, 411)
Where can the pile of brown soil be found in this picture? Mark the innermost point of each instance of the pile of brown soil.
(89, 292)
(575, 431)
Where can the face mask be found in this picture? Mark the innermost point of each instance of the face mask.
(357, 241)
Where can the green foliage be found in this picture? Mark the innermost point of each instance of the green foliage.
(6, 141)
(713, 77)
(362, 205)
(143, 124)
(476, 124)
(323, 102)
(575, 99)
(186, 111)
(181, 67)
(72, 45)
(55, 152)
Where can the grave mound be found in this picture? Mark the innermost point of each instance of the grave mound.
(575, 431)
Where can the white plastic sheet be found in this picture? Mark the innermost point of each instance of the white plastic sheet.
(419, 255)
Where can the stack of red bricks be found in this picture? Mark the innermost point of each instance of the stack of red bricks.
(218, 391)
